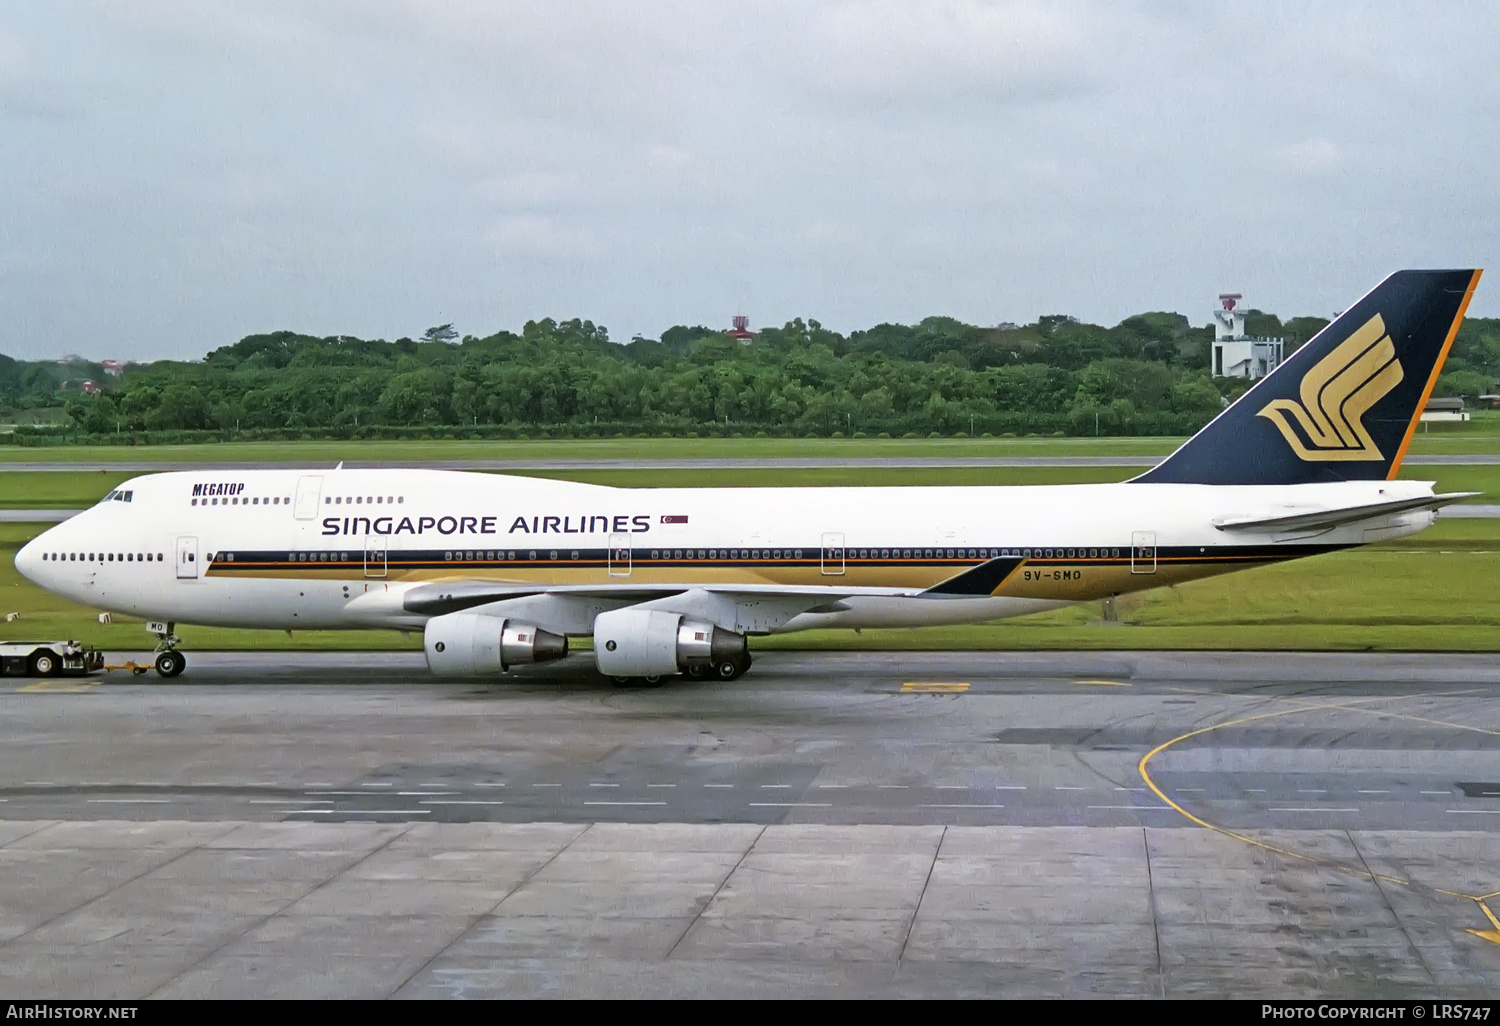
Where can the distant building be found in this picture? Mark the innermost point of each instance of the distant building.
(741, 331)
(1438, 410)
(1236, 354)
(112, 368)
(89, 387)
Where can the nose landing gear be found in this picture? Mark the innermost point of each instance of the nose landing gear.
(169, 661)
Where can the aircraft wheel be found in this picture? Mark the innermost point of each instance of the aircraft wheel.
(697, 671)
(44, 664)
(728, 669)
(170, 663)
(638, 682)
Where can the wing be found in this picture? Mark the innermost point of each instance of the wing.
(452, 596)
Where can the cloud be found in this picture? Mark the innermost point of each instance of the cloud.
(532, 188)
(539, 235)
(1311, 157)
(900, 51)
(184, 171)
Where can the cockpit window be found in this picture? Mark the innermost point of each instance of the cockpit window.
(118, 495)
(109, 497)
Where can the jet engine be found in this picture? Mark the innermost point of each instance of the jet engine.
(469, 645)
(652, 643)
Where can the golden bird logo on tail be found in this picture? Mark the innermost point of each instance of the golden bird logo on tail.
(1336, 394)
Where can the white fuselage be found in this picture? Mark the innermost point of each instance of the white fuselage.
(292, 549)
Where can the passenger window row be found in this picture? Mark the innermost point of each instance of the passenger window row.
(360, 500)
(242, 500)
(726, 554)
(1065, 553)
(498, 555)
(103, 557)
(981, 553)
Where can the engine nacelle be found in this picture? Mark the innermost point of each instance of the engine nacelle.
(470, 645)
(652, 643)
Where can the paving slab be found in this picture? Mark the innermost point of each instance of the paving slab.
(772, 869)
(809, 935)
(130, 834)
(521, 837)
(674, 837)
(38, 885)
(113, 969)
(1070, 945)
(362, 837)
(1057, 904)
(356, 957)
(15, 829)
(606, 899)
(408, 897)
(669, 867)
(411, 862)
(815, 838)
(621, 937)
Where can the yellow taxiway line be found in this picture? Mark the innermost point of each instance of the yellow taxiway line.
(1491, 935)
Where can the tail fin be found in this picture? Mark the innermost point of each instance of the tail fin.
(1345, 405)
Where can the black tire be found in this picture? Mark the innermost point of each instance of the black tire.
(728, 669)
(697, 671)
(170, 664)
(45, 664)
(639, 682)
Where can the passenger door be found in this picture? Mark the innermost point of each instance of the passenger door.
(187, 558)
(309, 486)
(375, 565)
(832, 562)
(619, 555)
(1143, 552)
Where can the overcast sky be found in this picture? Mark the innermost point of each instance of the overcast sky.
(174, 175)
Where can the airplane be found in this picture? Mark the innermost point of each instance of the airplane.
(498, 571)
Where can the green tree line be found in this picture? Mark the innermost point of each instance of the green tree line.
(1146, 375)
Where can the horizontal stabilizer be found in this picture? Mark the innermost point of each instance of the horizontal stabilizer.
(1327, 518)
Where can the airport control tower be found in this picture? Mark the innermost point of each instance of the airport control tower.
(1236, 354)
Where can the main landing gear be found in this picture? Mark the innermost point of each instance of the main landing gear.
(725, 669)
(169, 661)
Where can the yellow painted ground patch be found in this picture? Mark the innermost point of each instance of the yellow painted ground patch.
(58, 687)
(1103, 683)
(912, 687)
(1493, 936)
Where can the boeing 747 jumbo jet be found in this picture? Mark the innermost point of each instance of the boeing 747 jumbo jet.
(497, 571)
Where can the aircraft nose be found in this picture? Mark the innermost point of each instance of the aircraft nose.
(29, 560)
